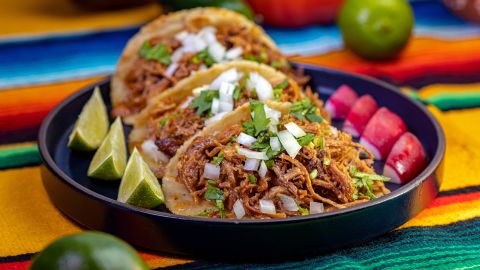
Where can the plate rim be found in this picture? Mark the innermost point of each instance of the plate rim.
(435, 161)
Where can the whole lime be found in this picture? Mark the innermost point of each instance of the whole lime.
(376, 29)
(88, 251)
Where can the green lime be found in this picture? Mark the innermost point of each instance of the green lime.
(91, 126)
(139, 186)
(376, 29)
(88, 251)
(109, 161)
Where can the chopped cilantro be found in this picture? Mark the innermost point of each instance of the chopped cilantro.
(326, 161)
(313, 174)
(319, 141)
(249, 128)
(305, 109)
(278, 89)
(364, 182)
(214, 193)
(236, 92)
(205, 213)
(252, 57)
(221, 207)
(203, 57)
(252, 179)
(308, 138)
(158, 52)
(303, 211)
(163, 121)
(269, 163)
(203, 103)
(260, 120)
(218, 159)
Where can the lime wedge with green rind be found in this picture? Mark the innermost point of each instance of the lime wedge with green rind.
(110, 160)
(139, 186)
(91, 126)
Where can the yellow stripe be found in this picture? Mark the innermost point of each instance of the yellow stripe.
(15, 145)
(448, 88)
(446, 214)
(42, 16)
(28, 221)
(158, 262)
(462, 159)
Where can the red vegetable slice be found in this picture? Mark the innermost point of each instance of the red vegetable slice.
(340, 103)
(363, 109)
(406, 160)
(381, 132)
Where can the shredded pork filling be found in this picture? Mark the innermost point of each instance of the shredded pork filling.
(171, 125)
(332, 184)
(147, 78)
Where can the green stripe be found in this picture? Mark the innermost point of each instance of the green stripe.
(19, 156)
(449, 101)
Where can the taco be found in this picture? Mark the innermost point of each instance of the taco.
(174, 46)
(177, 114)
(270, 160)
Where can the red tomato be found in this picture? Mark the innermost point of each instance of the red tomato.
(296, 13)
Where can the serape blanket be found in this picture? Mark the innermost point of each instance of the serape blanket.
(50, 49)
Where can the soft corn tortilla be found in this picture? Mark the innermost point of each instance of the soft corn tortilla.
(170, 25)
(183, 89)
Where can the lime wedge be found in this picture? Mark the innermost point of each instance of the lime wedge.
(91, 126)
(109, 161)
(139, 186)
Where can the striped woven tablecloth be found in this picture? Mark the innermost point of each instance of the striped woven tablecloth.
(49, 49)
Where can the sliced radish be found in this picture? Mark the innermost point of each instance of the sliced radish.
(406, 160)
(340, 103)
(381, 132)
(361, 112)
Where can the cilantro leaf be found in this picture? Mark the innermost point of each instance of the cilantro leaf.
(308, 138)
(278, 89)
(221, 207)
(203, 57)
(163, 121)
(305, 109)
(236, 93)
(249, 128)
(218, 159)
(158, 52)
(213, 193)
(303, 211)
(252, 179)
(260, 120)
(203, 103)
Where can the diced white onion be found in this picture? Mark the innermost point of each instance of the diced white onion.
(272, 114)
(199, 89)
(316, 208)
(181, 36)
(333, 130)
(208, 34)
(275, 144)
(267, 206)
(193, 43)
(150, 149)
(238, 209)
(215, 118)
(226, 92)
(273, 128)
(289, 143)
(211, 171)
(263, 169)
(171, 69)
(202, 68)
(230, 76)
(226, 107)
(215, 106)
(186, 103)
(251, 164)
(261, 85)
(217, 51)
(288, 202)
(245, 139)
(234, 53)
(295, 130)
(252, 154)
(177, 55)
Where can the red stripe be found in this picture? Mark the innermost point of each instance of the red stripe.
(455, 199)
(15, 265)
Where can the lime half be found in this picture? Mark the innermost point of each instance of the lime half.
(91, 126)
(109, 161)
(139, 186)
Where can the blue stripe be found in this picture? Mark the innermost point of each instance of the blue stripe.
(74, 56)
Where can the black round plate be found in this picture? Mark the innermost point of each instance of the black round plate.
(92, 202)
